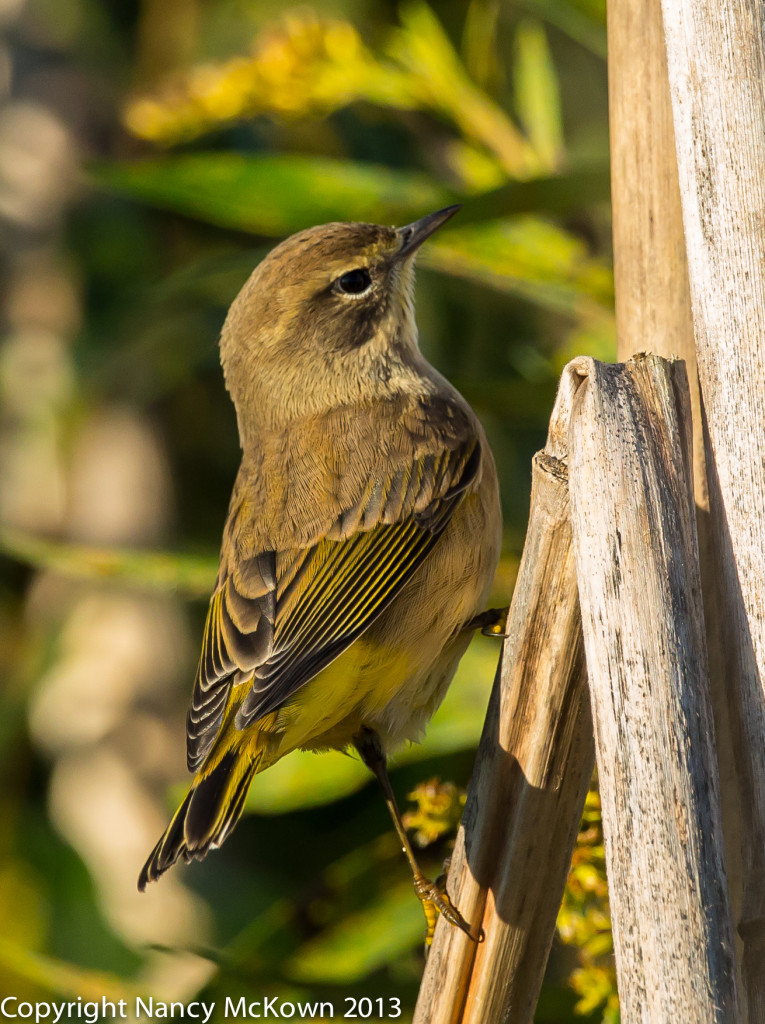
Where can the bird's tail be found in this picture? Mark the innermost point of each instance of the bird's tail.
(207, 815)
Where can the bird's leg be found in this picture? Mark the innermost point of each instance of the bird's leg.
(492, 622)
(432, 895)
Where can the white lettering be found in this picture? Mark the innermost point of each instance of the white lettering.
(8, 999)
(315, 1010)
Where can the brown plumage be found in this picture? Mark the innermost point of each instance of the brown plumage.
(362, 534)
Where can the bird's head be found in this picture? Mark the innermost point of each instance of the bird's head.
(326, 317)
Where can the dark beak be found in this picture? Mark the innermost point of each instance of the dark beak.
(414, 234)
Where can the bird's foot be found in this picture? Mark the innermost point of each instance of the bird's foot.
(435, 900)
(492, 622)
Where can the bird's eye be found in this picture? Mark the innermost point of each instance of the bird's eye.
(354, 282)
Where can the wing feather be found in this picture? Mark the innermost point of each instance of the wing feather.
(278, 619)
(238, 636)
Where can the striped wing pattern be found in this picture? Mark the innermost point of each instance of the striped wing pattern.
(281, 618)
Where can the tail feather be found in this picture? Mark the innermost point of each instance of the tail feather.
(205, 818)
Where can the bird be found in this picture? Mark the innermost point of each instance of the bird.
(361, 540)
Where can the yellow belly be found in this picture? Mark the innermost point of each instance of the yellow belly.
(394, 676)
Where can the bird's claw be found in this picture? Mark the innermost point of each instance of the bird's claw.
(492, 622)
(497, 625)
(435, 900)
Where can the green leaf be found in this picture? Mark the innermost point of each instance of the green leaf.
(480, 44)
(424, 48)
(362, 942)
(60, 978)
(274, 195)
(556, 193)
(582, 20)
(537, 95)
(304, 779)
(190, 575)
(192, 185)
(528, 257)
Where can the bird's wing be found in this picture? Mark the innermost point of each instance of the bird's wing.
(238, 636)
(281, 618)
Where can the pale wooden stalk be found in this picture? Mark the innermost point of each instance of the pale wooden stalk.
(653, 304)
(716, 61)
(526, 797)
(653, 310)
(637, 564)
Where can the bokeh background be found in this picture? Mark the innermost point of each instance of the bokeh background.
(151, 151)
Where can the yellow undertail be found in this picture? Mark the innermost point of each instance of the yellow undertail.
(211, 809)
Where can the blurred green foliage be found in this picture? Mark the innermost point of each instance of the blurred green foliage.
(207, 130)
(584, 920)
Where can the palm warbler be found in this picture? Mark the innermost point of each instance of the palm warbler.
(361, 539)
